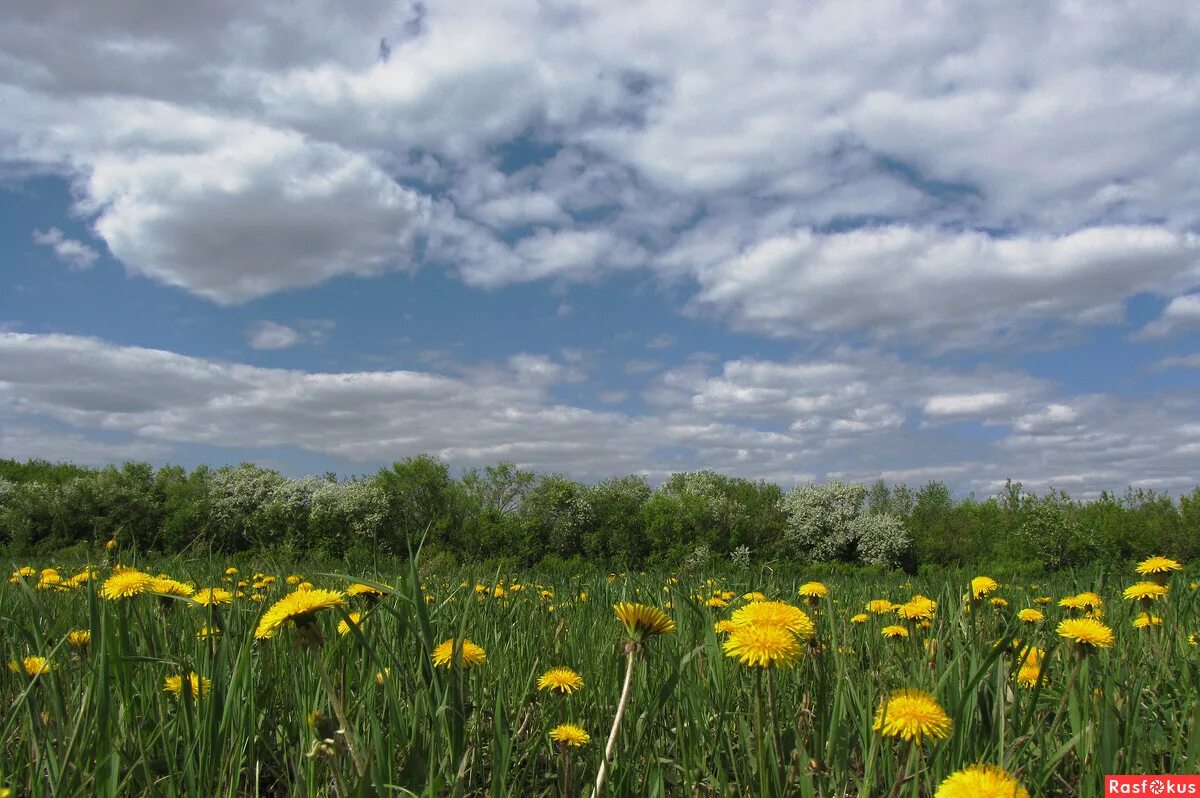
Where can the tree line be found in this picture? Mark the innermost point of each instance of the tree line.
(519, 517)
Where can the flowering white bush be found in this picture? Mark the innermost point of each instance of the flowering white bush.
(826, 522)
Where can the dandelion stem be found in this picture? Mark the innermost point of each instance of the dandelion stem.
(340, 711)
(612, 735)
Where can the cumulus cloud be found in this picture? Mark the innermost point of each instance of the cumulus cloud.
(1181, 313)
(76, 254)
(854, 413)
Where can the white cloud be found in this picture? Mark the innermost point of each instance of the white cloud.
(967, 405)
(271, 335)
(76, 254)
(945, 290)
(1181, 313)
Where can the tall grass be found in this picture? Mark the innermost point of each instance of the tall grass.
(100, 723)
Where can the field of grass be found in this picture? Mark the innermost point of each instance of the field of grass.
(96, 718)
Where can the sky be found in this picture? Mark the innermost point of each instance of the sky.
(782, 241)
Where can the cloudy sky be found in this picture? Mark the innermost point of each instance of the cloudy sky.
(792, 241)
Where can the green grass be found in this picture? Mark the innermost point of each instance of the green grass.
(101, 724)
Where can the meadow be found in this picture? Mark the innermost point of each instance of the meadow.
(234, 678)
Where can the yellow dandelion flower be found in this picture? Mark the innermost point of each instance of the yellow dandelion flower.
(22, 573)
(762, 646)
(1030, 616)
(862, 617)
(1090, 601)
(126, 583)
(895, 631)
(1042, 600)
(294, 579)
(1086, 632)
(1145, 591)
(724, 627)
(814, 590)
(464, 653)
(196, 685)
(880, 607)
(355, 618)
(1158, 565)
(918, 608)
(381, 676)
(171, 587)
(305, 586)
(205, 633)
(359, 590)
(1146, 620)
(299, 607)
(79, 638)
(912, 715)
(562, 681)
(643, 621)
(32, 666)
(980, 781)
(231, 571)
(775, 613)
(569, 735)
(111, 545)
(754, 596)
(716, 602)
(982, 586)
(211, 596)
(998, 602)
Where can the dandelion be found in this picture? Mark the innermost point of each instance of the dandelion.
(912, 715)
(999, 603)
(125, 583)
(111, 545)
(1030, 616)
(754, 596)
(305, 586)
(299, 607)
(1090, 601)
(716, 603)
(980, 781)
(893, 632)
(918, 608)
(569, 735)
(343, 627)
(562, 681)
(724, 627)
(79, 638)
(814, 591)
(861, 617)
(21, 574)
(32, 666)
(880, 607)
(1042, 601)
(775, 613)
(1086, 632)
(231, 571)
(205, 633)
(213, 596)
(1145, 592)
(366, 593)
(294, 579)
(196, 685)
(763, 646)
(1158, 566)
(642, 621)
(982, 586)
(381, 676)
(463, 653)
(1146, 620)
(1031, 667)
(170, 587)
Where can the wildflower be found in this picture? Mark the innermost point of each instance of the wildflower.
(1031, 667)
(299, 607)
(1145, 592)
(569, 735)
(643, 621)
(980, 781)
(211, 596)
(365, 592)
(862, 617)
(1030, 616)
(21, 574)
(205, 633)
(562, 681)
(814, 591)
(880, 607)
(231, 571)
(755, 596)
(49, 579)
(775, 613)
(1158, 565)
(1087, 632)
(32, 666)
(170, 587)
(999, 603)
(894, 631)
(463, 652)
(305, 586)
(724, 627)
(1090, 601)
(1146, 620)
(294, 579)
(912, 715)
(982, 586)
(79, 638)
(111, 545)
(381, 676)
(125, 583)
(355, 620)
(918, 608)
(1042, 600)
(762, 646)
(716, 602)
(197, 685)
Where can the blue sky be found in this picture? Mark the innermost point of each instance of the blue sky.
(784, 243)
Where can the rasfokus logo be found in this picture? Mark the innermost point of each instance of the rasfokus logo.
(1161, 784)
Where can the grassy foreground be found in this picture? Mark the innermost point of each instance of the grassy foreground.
(264, 716)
